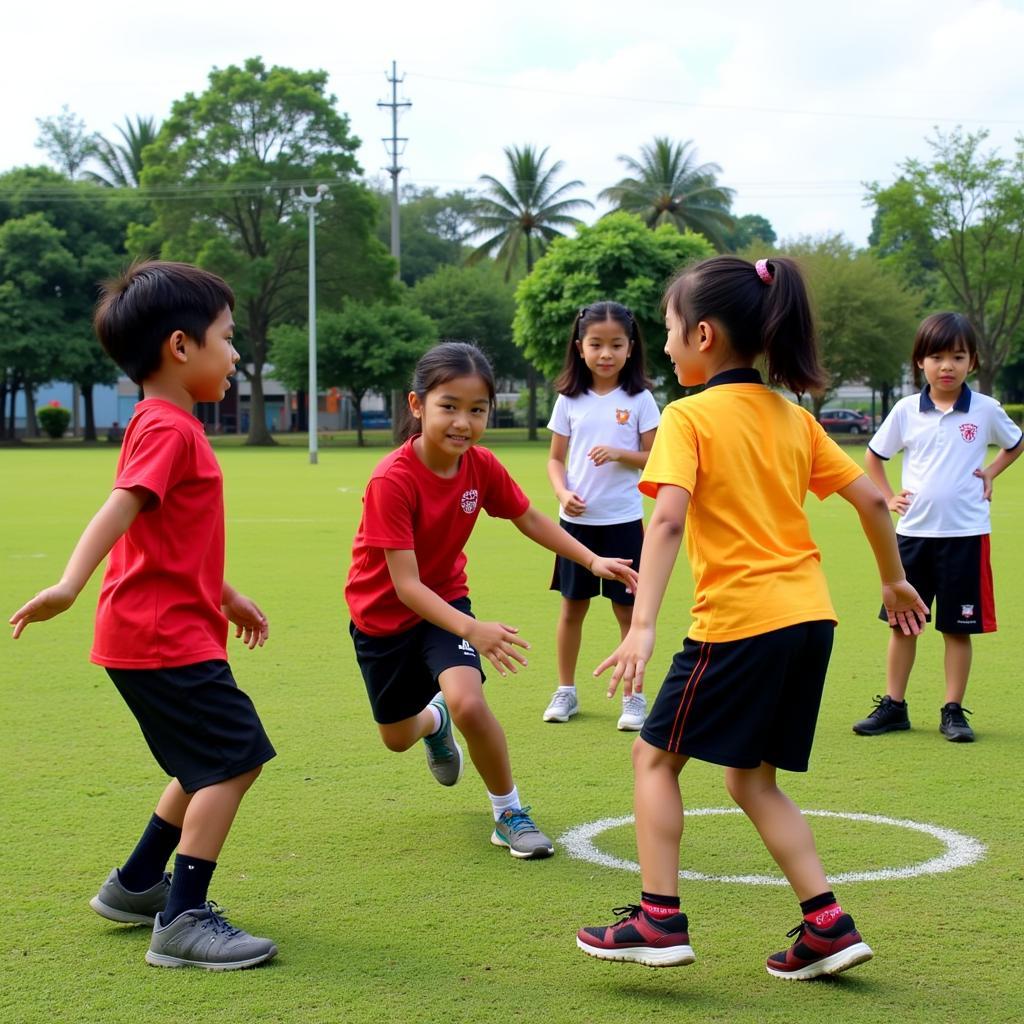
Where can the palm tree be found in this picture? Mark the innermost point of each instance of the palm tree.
(122, 164)
(526, 213)
(670, 187)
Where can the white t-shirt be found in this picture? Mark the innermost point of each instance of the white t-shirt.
(617, 420)
(941, 452)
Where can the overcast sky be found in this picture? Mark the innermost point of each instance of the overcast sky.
(798, 102)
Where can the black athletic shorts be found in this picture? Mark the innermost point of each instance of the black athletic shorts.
(616, 540)
(955, 573)
(743, 702)
(401, 670)
(201, 728)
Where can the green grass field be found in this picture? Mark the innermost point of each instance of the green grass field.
(386, 899)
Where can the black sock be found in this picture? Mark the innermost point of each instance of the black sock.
(657, 906)
(189, 885)
(825, 899)
(146, 866)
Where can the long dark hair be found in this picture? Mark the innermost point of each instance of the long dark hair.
(943, 332)
(576, 377)
(441, 364)
(764, 310)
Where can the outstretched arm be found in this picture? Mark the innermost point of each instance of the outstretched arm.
(661, 547)
(548, 534)
(114, 517)
(903, 605)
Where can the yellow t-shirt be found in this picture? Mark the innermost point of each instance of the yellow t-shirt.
(748, 457)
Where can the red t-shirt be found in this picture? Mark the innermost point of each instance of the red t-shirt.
(408, 507)
(160, 601)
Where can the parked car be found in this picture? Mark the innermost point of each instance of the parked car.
(845, 421)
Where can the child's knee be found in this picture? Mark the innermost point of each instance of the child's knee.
(469, 711)
(396, 740)
(574, 612)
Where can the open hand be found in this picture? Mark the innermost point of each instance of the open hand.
(615, 569)
(630, 660)
(45, 605)
(249, 621)
(497, 643)
(904, 607)
(602, 453)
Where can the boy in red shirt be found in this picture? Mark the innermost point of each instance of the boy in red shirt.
(164, 607)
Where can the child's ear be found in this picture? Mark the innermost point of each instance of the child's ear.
(415, 407)
(175, 346)
(706, 337)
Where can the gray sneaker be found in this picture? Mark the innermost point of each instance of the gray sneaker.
(116, 903)
(444, 755)
(563, 705)
(634, 713)
(202, 938)
(516, 831)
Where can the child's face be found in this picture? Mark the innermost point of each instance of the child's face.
(453, 415)
(684, 352)
(946, 371)
(211, 365)
(605, 347)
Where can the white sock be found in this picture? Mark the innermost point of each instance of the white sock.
(436, 713)
(503, 803)
(571, 688)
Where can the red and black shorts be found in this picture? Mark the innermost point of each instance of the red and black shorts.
(955, 573)
(741, 703)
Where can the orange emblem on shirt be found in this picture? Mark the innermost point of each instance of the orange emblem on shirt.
(621, 416)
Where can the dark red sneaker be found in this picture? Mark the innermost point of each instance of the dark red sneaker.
(640, 939)
(820, 951)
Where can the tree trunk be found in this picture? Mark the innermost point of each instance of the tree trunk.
(90, 418)
(3, 405)
(531, 373)
(986, 379)
(15, 386)
(258, 432)
(357, 403)
(31, 426)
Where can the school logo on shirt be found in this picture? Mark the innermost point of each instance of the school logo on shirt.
(967, 611)
(969, 431)
(622, 416)
(469, 500)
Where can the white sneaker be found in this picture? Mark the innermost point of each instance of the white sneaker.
(634, 713)
(563, 706)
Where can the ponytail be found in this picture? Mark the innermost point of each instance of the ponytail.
(764, 309)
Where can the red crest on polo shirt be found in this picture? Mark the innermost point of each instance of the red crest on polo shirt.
(969, 431)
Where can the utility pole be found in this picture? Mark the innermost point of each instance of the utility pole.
(311, 203)
(395, 146)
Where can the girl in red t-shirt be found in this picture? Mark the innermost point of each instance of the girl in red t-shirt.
(417, 642)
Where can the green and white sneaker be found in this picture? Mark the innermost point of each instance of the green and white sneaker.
(563, 705)
(444, 755)
(116, 903)
(203, 938)
(516, 831)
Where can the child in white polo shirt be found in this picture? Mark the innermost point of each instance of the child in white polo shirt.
(602, 428)
(943, 506)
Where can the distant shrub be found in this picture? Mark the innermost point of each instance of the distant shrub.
(54, 419)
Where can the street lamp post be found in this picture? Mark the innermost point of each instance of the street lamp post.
(311, 203)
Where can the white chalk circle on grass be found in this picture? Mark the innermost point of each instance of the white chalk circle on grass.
(960, 850)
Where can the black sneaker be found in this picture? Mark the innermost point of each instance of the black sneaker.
(953, 725)
(888, 716)
(819, 951)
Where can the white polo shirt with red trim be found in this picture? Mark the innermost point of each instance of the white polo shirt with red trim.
(941, 451)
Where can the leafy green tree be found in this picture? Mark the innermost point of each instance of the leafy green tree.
(617, 258)
(121, 162)
(473, 304)
(222, 177)
(363, 347)
(962, 213)
(432, 229)
(668, 186)
(866, 315)
(749, 230)
(529, 212)
(65, 141)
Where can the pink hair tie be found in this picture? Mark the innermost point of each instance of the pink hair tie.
(761, 266)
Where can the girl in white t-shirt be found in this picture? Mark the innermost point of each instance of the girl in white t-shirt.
(602, 428)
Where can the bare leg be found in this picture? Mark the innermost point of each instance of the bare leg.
(464, 693)
(958, 665)
(173, 804)
(782, 827)
(658, 806)
(399, 736)
(209, 815)
(568, 637)
(624, 617)
(900, 660)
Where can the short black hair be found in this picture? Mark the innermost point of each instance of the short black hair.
(152, 299)
(943, 332)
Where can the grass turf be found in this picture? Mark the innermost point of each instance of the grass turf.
(382, 890)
